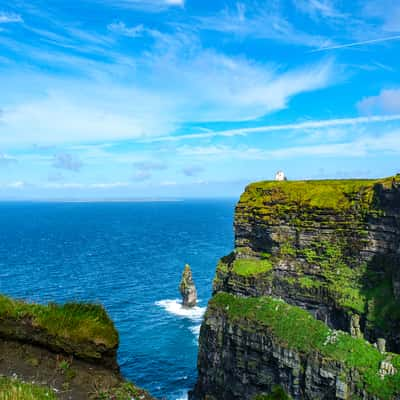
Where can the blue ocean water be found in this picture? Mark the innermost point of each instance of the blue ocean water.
(129, 257)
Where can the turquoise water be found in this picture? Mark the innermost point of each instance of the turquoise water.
(129, 257)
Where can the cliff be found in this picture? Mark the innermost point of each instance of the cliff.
(63, 352)
(330, 252)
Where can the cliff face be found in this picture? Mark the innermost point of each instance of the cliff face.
(331, 248)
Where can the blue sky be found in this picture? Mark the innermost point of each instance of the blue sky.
(194, 98)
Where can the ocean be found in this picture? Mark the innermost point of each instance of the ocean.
(129, 257)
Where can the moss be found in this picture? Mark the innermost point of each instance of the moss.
(76, 322)
(12, 389)
(383, 308)
(343, 281)
(308, 283)
(296, 329)
(277, 394)
(251, 267)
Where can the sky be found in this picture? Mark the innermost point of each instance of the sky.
(194, 98)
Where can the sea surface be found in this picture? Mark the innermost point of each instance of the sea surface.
(129, 257)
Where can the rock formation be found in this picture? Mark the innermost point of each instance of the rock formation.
(71, 350)
(311, 285)
(188, 288)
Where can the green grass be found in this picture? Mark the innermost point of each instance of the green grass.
(277, 394)
(72, 321)
(296, 329)
(338, 195)
(251, 267)
(12, 389)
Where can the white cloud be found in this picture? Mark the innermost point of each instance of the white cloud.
(299, 126)
(261, 20)
(319, 9)
(121, 29)
(7, 18)
(16, 185)
(360, 43)
(387, 11)
(98, 108)
(388, 101)
(362, 145)
(77, 185)
(145, 5)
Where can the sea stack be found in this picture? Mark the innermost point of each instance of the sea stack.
(188, 288)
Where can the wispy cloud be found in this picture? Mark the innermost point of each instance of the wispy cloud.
(354, 44)
(144, 169)
(121, 29)
(145, 5)
(319, 9)
(360, 146)
(7, 18)
(192, 170)
(6, 160)
(388, 101)
(260, 20)
(67, 162)
(99, 108)
(284, 127)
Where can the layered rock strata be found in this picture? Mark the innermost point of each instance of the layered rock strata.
(330, 250)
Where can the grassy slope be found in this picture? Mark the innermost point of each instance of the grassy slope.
(297, 329)
(251, 267)
(72, 321)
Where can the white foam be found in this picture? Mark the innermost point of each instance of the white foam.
(175, 307)
(196, 330)
(183, 396)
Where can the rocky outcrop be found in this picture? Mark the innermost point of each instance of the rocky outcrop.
(334, 247)
(187, 288)
(331, 248)
(70, 349)
(249, 346)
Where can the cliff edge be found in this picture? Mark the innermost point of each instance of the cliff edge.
(308, 304)
(60, 352)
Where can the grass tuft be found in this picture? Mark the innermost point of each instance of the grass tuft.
(77, 322)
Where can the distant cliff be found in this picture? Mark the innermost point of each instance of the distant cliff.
(60, 352)
(312, 285)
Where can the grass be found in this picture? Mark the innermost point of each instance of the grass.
(77, 322)
(12, 389)
(251, 267)
(296, 329)
(338, 195)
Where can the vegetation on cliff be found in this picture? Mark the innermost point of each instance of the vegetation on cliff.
(251, 267)
(296, 329)
(13, 389)
(75, 322)
(338, 195)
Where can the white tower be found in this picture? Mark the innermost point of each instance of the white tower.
(280, 176)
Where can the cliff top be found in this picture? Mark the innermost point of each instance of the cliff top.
(338, 195)
(73, 322)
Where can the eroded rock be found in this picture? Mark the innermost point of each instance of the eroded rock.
(188, 288)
